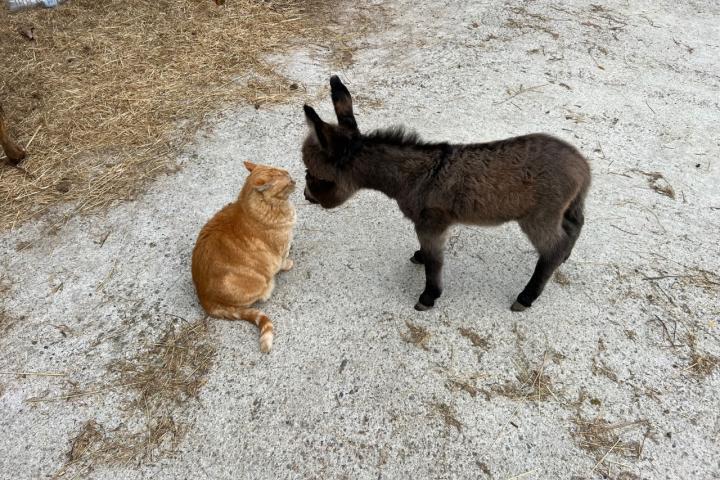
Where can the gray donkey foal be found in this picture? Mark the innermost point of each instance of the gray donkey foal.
(537, 180)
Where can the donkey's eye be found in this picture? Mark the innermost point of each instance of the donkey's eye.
(312, 178)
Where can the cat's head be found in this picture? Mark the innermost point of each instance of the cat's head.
(271, 183)
(328, 149)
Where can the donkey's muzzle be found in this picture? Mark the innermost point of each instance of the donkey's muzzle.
(309, 197)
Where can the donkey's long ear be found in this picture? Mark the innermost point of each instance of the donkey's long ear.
(342, 101)
(317, 126)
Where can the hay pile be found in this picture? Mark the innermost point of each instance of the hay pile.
(101, 88)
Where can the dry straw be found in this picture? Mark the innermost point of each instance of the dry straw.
(103, 86)
(161, 380)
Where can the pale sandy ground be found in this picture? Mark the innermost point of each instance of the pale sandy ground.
(344, 394)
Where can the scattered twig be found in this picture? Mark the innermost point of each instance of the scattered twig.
(522, 475)
(667, 295)
(681, 275)
(604, 457)
(648, 210)
(36, 374)
(600, 150)
(625, 231)
(520, 91)
(79, 394)
(597, 64)
(620, 174)
(687, 47)
(27, 145)
(651, 109)
(670, 338)
(649, 20)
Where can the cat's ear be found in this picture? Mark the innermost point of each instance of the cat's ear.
(318, 128)
(249, 165)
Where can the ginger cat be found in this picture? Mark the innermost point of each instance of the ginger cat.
(239, 251)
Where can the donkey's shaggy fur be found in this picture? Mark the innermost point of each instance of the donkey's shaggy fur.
(537, 180)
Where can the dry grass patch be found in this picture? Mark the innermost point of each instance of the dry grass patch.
(703, 365)
(525, 20)
(161, 380)
(464, 383)
(603, 439)
(416, 335)
(657, 182)
(109, 91)
(94, 446)
(701, 278)
(476, 339)
(172, 371)
(700, 364)
(531, 383)
(447, 413)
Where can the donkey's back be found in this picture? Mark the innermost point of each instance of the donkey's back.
(518, 178)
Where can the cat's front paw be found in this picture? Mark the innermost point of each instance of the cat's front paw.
(287, 265)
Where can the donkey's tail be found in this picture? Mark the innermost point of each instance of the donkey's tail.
(251, 315)
(575, 212)
(574, 216)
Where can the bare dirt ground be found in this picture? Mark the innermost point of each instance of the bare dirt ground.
(108, 371)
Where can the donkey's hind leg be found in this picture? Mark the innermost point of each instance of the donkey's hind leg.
(554, 246)
(572, 222)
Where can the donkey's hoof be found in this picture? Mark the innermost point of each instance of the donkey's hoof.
(421, 307)
(518, 307)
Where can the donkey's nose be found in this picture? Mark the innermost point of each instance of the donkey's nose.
(309, 197)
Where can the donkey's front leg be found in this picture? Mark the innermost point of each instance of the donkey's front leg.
(432, 243)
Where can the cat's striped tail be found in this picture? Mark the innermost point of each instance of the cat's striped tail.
(251, 315)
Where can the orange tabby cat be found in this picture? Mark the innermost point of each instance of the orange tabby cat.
(241, 248)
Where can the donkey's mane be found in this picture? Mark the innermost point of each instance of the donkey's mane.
(398, 136)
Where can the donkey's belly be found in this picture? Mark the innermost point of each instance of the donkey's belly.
(491, 213)
(484, 222)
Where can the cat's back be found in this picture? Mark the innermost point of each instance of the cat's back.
(220, 238)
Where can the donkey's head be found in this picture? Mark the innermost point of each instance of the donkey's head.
(327, 151)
